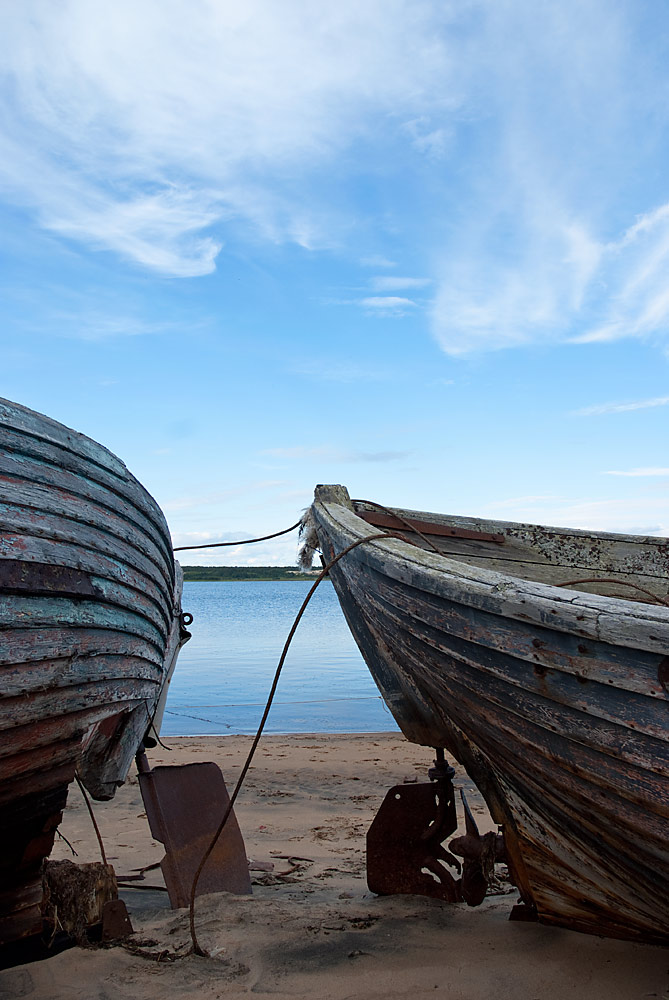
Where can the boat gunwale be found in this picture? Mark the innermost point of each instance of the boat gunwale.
(492, 584)
(499, 527)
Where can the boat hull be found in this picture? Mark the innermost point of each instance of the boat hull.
(554, 703)
(90, 627)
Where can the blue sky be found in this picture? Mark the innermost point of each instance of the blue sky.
(421, 249)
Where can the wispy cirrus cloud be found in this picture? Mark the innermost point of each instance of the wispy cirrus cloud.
(387, 305)
(96, 326)
(327, 453)
(639, 515)
(514, 502)
(334, 370)
(243, 124)
(193, 501)
(150, 151)
(639, 404)
(383, 283)
(553, 246)
(645, 471)
(377, 260)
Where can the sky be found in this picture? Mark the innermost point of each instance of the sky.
(418, 248)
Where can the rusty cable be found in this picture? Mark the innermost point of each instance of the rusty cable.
(270, 698)
(243, 541)
(93, 820)
(411, 527)
(654, 599)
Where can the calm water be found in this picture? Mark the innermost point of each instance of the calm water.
(224, 673)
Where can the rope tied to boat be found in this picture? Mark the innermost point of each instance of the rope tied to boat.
(197, 949)
(101, 845)
(243, 541)
(405, 521)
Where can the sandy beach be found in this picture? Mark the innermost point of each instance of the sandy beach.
(311, 927)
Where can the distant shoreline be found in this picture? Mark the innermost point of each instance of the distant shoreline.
(216, 574)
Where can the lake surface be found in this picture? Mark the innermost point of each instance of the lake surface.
(224, 673)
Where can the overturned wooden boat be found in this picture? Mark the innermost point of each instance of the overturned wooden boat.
(90, 628)
(540, 659)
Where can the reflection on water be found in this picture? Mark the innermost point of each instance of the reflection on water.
(224, 673)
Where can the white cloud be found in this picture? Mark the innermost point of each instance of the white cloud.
(382, 283)
(217, 497)
(547, 249)
(145, 128)
(157, 131)
(275, 552)
(387, 305)
(330, 454)
(333, 370)
(153, 230)
(93, 325)
(639, 515)
(542, 295)
(377, 261)
(640, 404)
(514, 502)
(428, 138)
(635, 268)
(648, 471)
(301, 452)
(533, 293)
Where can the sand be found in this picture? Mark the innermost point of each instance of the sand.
(311, 927)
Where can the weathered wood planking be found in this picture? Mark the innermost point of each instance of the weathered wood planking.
(547, 555)
(29, 434)
(90, 627)
(555, 701)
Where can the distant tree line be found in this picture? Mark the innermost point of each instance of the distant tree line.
(213, 573)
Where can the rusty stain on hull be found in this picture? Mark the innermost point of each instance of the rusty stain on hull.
(90, 628)
(554, 699)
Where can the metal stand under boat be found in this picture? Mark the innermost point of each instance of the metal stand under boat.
(405, 852)
(184, 806)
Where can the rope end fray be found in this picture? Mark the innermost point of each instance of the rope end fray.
(309, 543)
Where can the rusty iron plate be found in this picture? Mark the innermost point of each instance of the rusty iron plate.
(116, 923)
(185, 805)
(381, 520)
(404, 842)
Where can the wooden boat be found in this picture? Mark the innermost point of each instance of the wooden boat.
(538, 658)
(90, 628)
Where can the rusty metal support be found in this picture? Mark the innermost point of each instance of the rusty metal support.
(479, 853)
(116, 925)
(184, 805)
(405, 852)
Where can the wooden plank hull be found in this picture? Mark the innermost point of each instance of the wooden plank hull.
(90, 628)
(554, 700)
